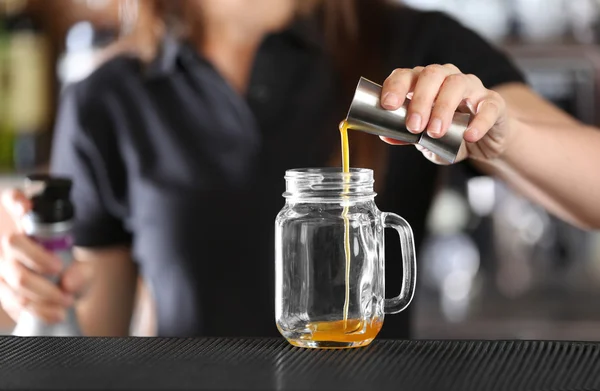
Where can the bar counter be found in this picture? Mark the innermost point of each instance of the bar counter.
(272, 364)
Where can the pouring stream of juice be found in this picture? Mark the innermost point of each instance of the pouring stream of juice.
(357, 330)
(346, 169)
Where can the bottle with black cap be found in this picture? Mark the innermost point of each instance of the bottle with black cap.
(49, 223)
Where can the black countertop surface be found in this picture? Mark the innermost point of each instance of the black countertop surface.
(272, 364)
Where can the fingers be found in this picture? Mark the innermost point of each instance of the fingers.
(455, 89)
(22, 249)
(47, 312)
(426, 90)
(33, 287)
(488, 111)
(397, 86)
(436, 93)
(23, 290)
(11, 303)
(76, 279)
(15, 203)
(14, 304)
(21, 287)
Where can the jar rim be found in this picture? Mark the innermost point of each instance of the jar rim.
(364, 174)
(329, 182)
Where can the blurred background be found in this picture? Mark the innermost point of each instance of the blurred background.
(493, 266)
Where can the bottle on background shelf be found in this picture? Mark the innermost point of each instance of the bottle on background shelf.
(25, 86)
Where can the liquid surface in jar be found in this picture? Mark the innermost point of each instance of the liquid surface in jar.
(347, 330)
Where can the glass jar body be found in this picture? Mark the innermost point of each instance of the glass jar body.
(329, 273)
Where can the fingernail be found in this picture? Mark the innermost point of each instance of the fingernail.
(414, 123)
(435, 127)
(390, 100)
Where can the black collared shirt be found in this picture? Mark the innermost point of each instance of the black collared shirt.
(169, 159)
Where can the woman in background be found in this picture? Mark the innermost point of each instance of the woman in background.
(178, 151)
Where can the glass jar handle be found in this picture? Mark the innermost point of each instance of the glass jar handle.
(409, 263)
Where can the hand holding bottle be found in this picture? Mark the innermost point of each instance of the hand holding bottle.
(27, 271)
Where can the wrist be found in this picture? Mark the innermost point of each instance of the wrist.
(515, 132)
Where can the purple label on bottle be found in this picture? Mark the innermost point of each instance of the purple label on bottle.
(56, 244)
(61, 247)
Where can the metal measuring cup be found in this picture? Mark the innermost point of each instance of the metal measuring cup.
(367, 115)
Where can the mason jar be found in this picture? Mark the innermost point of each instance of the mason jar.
(330, 259)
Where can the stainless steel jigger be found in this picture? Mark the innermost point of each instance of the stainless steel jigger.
(367, 115)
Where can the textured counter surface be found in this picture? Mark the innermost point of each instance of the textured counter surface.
(263, 364)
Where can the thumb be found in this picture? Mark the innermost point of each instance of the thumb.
(77, 278)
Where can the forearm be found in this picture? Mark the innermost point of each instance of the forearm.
(557, 166)
(106, 308)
